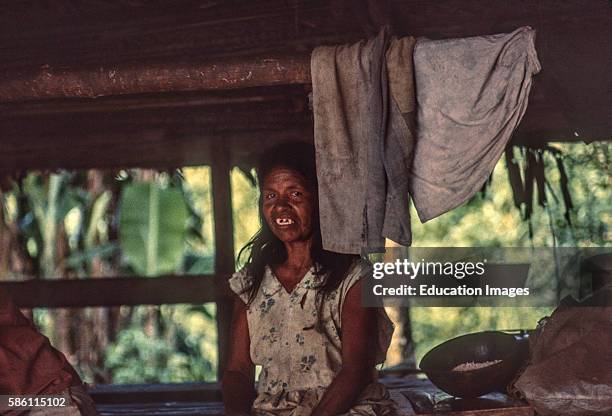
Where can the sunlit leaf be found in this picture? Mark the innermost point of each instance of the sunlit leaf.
(152, 228)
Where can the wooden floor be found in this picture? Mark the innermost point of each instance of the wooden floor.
(414, 396)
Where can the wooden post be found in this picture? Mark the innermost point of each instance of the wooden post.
(224, 245)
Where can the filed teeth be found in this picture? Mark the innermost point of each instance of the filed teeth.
(284, 221)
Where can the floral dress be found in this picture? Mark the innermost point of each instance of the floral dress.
(299, 361)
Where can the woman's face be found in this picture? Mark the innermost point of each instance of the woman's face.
(288, 205)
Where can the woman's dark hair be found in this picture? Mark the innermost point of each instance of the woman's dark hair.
(265, 249)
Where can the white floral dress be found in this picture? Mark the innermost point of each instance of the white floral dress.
(298, 361)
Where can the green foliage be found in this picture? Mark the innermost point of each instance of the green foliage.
(244, 201)
(491, 220)
(138, 357)
(98, 210)
(197, 191)
(152, 228)
(187, 352)
(45, 204)
(183, 345)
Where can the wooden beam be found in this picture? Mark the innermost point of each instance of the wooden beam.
(80, 293)
(152, 76)
(224, 245)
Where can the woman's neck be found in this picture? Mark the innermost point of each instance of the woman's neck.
(298, 255)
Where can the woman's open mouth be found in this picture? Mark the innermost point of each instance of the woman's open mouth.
(283, 221)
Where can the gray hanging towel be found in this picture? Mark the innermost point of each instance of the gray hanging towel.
(363, 142)
(471, 95)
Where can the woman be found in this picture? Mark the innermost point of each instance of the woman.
(298, 309)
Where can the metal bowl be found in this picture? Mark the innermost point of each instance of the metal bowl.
(478, 347)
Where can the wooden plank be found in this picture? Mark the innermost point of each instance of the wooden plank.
(79, 293)
(155, 393)
(246, 116)
(154, 138)
(151, 76)
(224, 245)
(506, 411)
(140, 146)
(162, 409)
(121, 103)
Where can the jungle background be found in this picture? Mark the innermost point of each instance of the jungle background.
(89, 224)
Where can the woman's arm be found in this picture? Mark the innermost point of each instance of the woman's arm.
(359, 335)
(239, 376)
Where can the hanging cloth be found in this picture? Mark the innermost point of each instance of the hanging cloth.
(471, 95)
(363, 102)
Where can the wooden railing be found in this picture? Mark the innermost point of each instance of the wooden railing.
(80, 293)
